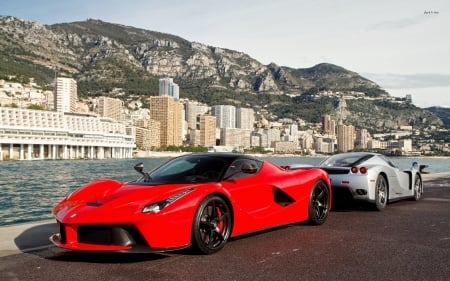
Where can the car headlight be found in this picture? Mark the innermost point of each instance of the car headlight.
(158, 206)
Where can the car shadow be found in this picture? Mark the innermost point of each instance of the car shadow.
(35, 241)
(347, 204)
(104, 257)
(36, 237)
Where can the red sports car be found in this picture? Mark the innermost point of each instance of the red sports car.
(198, 200)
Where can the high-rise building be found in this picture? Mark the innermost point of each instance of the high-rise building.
(66, 95)
(345, 137)
(207, 124)
(362, 139)
(328, 125)
(168, 88)
(110, 107)
(245, 118)
(169, 113)
(192, 111)
(225, 116)
(148, 134)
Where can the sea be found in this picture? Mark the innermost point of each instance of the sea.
(30, 189)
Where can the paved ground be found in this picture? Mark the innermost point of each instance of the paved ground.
(407, 241)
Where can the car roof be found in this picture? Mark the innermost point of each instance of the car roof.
(360, 153)
(224, 155)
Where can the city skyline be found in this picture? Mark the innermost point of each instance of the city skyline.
(399, 45)
(167, 124)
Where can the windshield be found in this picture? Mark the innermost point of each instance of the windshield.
(345, 160)
(187, 169)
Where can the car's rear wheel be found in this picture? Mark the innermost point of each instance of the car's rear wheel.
(319, 203)
(418, 188)
(212, 225)
(381, 193)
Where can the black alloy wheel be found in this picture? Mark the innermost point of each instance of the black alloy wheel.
(319, 203)
(212, 225)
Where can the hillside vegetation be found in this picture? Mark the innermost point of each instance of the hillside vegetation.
(103, 56)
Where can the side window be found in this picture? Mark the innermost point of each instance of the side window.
(242, 168)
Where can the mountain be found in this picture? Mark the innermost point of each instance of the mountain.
(441, 112)
(103, 57)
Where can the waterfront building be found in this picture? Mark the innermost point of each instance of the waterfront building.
(306, 141)
(235, 137)
(66, 94)
(265, 137)
(38, 134)
(324, 144)
(406, 145)
(378, 144)
(194, 137)
(148, 134)
(284, 146)
(170, 115)
(245, 118)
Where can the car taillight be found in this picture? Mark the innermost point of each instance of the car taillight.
(362, 170)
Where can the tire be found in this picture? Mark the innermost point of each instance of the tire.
(381, 193)
(418, 188)
(319, 203)
(212, 225)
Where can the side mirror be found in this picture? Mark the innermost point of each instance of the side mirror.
(139, 167)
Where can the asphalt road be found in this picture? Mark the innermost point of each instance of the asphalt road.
(407, 241)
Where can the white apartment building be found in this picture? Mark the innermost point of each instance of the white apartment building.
(245, 118)
(66, 94)
(37, 134)
(225, 116)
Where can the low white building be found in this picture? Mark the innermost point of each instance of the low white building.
(38, 134)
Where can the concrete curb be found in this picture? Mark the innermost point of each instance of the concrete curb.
(26, 237)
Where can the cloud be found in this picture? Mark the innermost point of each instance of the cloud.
(399, 23)
(409, 81)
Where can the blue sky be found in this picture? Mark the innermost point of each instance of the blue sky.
(403, 46)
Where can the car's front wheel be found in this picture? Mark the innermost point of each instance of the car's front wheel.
(212, 225)
(418, 187)
(319, 203)
(381, 193)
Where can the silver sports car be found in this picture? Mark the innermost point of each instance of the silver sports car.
(373, 178)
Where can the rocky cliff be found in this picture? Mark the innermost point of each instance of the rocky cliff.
(103, 56)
